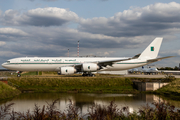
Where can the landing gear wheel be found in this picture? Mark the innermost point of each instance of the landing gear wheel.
(18, 75)
(89, 75)
(92, 75)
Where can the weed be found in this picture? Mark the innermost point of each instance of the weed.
(160, 111)
(5, 110)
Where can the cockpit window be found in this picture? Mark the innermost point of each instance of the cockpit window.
(8, 62)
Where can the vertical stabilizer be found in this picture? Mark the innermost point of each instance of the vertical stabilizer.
(152, 50)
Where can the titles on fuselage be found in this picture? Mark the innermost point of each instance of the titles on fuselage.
(46, 60)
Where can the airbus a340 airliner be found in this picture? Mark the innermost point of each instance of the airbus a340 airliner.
(71, 65)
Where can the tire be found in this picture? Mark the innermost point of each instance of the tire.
(18, 75)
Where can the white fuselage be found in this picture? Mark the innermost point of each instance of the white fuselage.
(54, 63)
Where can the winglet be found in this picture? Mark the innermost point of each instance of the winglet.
(151, 52)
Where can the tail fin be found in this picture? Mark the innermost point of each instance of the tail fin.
(151, 52)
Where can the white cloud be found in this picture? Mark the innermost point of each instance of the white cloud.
(50, 16)
(53, 12)
(178, 52)
(155, 19)
(12, 31)
(2, 43)
(9, 54)
(108, 53)
(10, 17)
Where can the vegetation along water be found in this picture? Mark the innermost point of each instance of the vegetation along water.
(159, 111)
(7, 91)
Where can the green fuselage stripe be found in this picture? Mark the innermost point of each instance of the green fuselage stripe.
(75, 63)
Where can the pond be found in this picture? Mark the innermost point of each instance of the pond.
(84, 101)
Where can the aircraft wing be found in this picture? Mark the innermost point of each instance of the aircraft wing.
(102, 63)
(158, 59)
(110, 62)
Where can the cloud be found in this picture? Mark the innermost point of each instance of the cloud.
(50, 0)
(68, 38)
(155, 19)
(9, 53)
(65, 0)
(44, 0)
(50, 16)
(2, 43)
(10, 17)
(127, 29)
(32, 48)
(12, 32)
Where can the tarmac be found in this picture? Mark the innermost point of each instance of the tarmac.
(150, 76)
(129, 75)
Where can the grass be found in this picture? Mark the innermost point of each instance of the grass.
(79, 84)
(74, 84)
(7, 91)
(40, 73)
(30, 73)
(99, 84)
(172, 90)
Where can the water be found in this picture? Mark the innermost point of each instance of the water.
(27, 101)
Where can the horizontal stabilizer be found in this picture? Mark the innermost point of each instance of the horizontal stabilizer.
(158, 59)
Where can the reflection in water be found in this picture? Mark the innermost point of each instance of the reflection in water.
(27, 101)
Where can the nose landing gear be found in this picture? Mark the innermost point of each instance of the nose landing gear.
(18, 73)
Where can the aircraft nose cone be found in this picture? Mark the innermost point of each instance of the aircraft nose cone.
(4, 65)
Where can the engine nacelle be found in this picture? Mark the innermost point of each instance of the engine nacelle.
(67, 70)
(90, 67)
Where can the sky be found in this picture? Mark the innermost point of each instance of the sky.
(110, 28)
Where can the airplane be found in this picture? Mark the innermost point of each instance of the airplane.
(134, 70)
(149, 70)
(86, 65)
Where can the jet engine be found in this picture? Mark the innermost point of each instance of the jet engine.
(67, 70)
(90, 67)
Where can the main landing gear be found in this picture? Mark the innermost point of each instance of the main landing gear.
(88, 74)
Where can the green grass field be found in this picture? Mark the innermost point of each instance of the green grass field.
(7, 91)
(74, 84)
(51, 82)
(171, 91)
